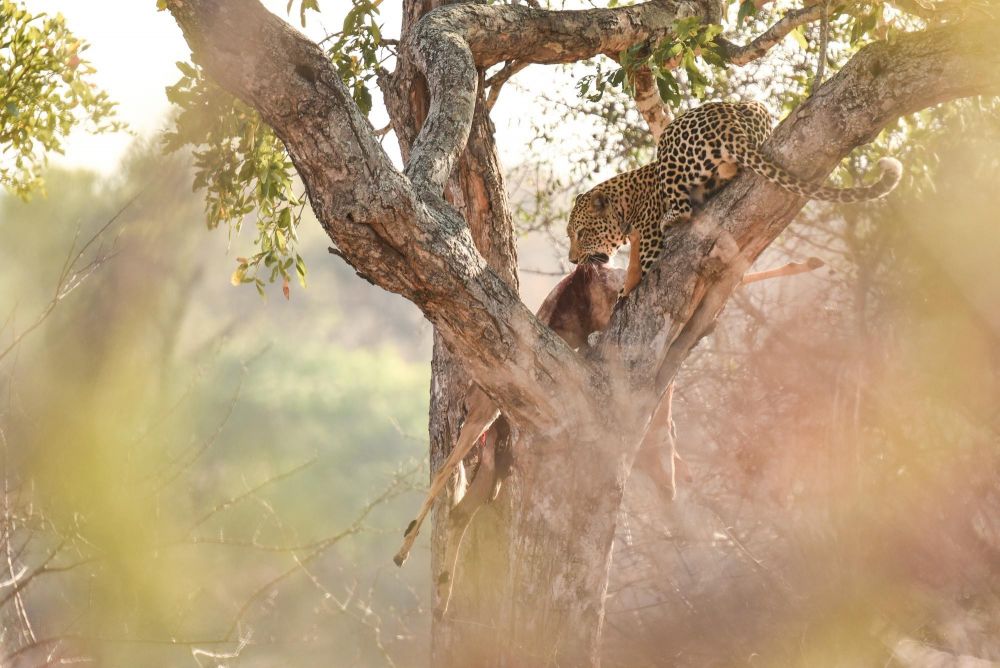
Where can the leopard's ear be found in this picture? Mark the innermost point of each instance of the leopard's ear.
(600, 203)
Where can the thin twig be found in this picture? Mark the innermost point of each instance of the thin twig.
(395, 488)
(496, 82)
(824, 40)
(234, 500)
(71, 276)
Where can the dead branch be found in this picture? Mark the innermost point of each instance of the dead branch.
(790, 269)
(73, 273)
(496, 82)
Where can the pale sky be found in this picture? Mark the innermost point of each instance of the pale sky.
(134, 49)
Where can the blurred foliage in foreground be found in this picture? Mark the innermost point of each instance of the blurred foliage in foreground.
(190, 471)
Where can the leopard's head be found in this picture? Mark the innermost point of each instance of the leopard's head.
(594, 227)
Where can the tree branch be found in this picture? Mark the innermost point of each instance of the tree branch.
(758, 48)
(497, 81)
(411, 242)
(790, 269)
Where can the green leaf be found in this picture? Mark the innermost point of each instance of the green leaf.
(300, 269)
(363, 98)
(668, 88)
(747, 10)
(307, 5)
(800, 37)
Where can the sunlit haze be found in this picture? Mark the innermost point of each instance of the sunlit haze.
(134, 49)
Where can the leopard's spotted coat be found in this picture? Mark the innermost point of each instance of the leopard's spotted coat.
(696, 155)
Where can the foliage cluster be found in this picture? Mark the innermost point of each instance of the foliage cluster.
(244, 167)
(45, 92)
(692, 48)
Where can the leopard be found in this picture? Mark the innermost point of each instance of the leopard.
(697, 154)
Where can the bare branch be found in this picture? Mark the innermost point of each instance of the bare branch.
(497, 81)
(72, 275)
(758, 48)
(239, 498)
(790, 269)
(396, 487)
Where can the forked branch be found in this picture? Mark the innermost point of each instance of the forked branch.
(760, 45)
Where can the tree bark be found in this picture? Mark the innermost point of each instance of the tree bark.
(576, 419)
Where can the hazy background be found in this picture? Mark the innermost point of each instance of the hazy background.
(194, 475)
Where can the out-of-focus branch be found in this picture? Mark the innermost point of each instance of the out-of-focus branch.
(399, 484)
(72, 274)
(790, 269)
(239, 498)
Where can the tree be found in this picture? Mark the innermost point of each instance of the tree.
(535, 595)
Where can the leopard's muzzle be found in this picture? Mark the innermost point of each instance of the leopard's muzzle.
(597, 258)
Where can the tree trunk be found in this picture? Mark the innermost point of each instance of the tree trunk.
(478, 191)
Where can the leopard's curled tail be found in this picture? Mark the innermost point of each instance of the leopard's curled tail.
(754, 160)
